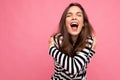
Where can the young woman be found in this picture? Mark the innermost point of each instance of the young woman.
(73, 46)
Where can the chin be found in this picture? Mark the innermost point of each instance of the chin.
(74, 33)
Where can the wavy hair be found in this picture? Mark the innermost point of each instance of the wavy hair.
(67, 46)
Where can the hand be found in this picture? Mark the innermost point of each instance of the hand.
(51, 41)
(94, 42)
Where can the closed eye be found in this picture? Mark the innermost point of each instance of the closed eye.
(79, 15)
(68, 15)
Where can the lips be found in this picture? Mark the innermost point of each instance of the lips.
(74, 26)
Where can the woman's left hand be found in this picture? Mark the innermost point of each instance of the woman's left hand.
(94, 42)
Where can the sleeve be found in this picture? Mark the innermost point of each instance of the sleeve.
(58, 39)
(71, 64)
(88, 50)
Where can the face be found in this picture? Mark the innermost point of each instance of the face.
(74, 20)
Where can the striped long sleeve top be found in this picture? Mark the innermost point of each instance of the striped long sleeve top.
(71, 68)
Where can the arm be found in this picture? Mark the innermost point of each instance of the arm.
(71, 64)
(93, 46)
(90, 49)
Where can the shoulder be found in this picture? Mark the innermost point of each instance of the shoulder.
(90, 39)
(57, 35)
(58, 39)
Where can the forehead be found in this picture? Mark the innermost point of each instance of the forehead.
(74, 9)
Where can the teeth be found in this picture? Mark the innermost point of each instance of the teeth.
(74, 23)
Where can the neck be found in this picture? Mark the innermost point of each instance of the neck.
(74, 38)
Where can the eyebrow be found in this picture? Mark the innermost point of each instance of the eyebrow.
(71, 12)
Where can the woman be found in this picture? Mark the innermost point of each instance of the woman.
(73, 46)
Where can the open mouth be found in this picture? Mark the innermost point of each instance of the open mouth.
(74, 26)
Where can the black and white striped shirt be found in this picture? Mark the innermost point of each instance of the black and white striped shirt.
(71, 68)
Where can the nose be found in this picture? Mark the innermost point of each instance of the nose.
(74, 17)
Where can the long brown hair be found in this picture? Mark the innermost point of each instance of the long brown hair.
(67, 43)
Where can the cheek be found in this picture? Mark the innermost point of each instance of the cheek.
(67, 22)
(67, 25)
(81, 21)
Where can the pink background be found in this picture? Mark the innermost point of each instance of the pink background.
(25, 28)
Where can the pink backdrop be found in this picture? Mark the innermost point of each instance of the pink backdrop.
(25, 27)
